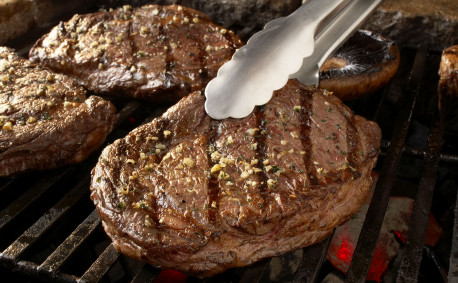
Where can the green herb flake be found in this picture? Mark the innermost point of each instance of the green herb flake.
(276, 168)
(121, 205)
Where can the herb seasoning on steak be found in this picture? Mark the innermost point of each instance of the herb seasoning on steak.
(46, 120)
(200, 195)
(157, 53)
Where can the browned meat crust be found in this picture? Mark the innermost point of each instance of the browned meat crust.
(153, 52)
(201, 195)
(448, 72)
(46, 120)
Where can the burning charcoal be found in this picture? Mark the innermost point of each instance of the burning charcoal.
(392, 237)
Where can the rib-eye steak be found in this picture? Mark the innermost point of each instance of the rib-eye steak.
(158, 53)
(46, 120)
(201, 195)
(448, 72)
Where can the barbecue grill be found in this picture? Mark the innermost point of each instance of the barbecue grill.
(50, 230)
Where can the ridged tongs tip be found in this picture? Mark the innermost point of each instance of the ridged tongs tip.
(277, 53)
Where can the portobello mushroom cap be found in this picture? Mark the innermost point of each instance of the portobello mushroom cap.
(362, 65)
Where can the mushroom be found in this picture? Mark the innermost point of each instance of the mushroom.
(364, 64)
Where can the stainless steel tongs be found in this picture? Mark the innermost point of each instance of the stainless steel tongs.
(290, 47)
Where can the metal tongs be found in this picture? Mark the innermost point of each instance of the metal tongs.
(295, 46)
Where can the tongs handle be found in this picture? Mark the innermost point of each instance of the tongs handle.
(332, 36)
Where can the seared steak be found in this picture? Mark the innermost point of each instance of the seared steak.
(201, 195)
(153, 52)
(448, 72)
(45, 118)
(243, 16)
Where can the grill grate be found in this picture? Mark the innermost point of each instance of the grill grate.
(374, 218)
(49, 230)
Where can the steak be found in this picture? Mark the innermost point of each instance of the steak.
(242, 16)
(448, 72)
(157, 53)
(46, 120)
(200, 196)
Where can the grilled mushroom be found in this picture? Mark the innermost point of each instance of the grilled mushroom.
(365, 63)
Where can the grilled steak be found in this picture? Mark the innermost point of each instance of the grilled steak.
(201, 195)
(45, 119)
(448, 72)
(159, 53)
(243, 16)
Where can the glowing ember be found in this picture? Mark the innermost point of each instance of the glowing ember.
(392, 236)
(171, 276)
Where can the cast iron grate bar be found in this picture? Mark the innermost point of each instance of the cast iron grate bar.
(35, 231)
(7, 184)
(413, 250)
(126, 111)
(415, 152)
(146, 274)
(368, 237)
(383, 99)
(101, 265)
(71, 243)
(453, 269)
(253, 273)
(30, 269)
(312, 260)
(27, 198)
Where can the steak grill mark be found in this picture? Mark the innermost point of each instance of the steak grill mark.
(306, 123)
(163, 124)
(200, 57)
(213, 183)
(261, 149)
(167, 50)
